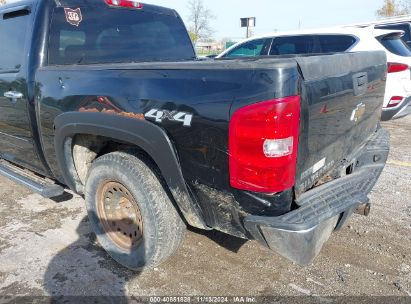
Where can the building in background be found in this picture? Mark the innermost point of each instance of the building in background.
(209, 46)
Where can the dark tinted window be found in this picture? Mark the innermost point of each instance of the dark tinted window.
(397, 46)
(118, 35)
(13, 31)
(71, 38)
(335, 43)
(252, 48)
(293, 45)
(406, 27)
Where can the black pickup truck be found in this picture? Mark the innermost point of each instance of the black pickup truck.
(107, 98)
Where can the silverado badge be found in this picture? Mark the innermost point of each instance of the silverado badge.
(358, 112)
(73, 17)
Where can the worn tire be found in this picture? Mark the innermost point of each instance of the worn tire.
(163, 227)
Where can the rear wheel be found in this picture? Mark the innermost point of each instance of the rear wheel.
(119, 214)
(131, 213)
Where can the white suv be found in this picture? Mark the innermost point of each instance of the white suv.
(393, 23)
(343, 39)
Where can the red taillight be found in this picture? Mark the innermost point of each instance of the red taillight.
(395, 101)
(125, 3)
(396, 67)
(263, 144)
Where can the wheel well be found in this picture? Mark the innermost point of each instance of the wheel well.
(86, 148)
(81, 137)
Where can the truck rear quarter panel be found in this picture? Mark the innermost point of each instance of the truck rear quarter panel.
(210, 91)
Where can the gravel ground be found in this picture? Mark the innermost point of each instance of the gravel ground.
(47, 248)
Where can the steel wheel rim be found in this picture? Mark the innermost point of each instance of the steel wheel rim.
(119, 215)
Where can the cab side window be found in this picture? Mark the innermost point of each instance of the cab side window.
(13, 33)
(249, 49)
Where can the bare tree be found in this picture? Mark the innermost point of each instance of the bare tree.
(393, 8)
(200, 20)
(2, 2)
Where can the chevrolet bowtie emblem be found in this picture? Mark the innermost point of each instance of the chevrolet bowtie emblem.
(358, 112)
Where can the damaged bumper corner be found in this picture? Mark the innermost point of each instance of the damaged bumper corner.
(299, 246)
(300, 234)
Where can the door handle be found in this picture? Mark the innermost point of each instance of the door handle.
(13, 95)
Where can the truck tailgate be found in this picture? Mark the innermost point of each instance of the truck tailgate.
(342, 97)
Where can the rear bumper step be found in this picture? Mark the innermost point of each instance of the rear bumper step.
(300, 234)
(33, 182)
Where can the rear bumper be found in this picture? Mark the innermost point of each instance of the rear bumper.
(403, 109)
(300, 234)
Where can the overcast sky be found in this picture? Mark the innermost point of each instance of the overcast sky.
(280, 14)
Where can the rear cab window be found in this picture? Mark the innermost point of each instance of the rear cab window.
(117, 35)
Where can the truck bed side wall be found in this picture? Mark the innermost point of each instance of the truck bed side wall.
(212, 92)
(208, 91)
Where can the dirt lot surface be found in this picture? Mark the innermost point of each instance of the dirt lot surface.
(47, 248)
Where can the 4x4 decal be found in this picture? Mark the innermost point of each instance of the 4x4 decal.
(160, 115)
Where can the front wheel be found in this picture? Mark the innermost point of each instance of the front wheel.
(130, 212)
